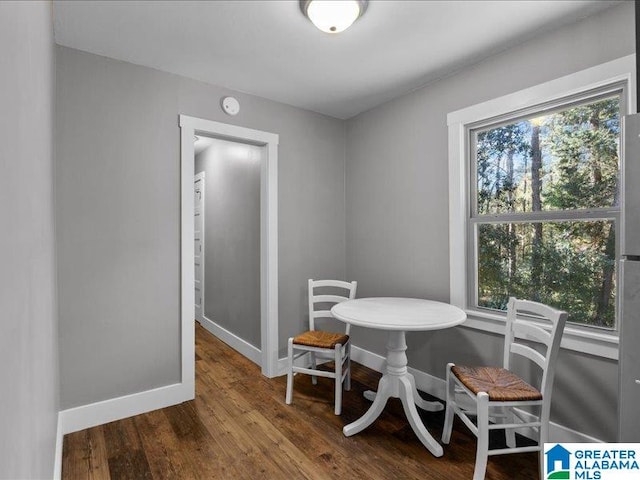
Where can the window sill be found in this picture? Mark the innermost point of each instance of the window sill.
(591, 342)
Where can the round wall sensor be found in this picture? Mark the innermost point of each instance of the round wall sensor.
(230, 105)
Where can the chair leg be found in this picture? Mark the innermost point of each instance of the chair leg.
(347, 380)
(450, 412)
(314, 379)
(544, 436)
(338, 379)
(483, 436)
(289, 396)
(509, 433)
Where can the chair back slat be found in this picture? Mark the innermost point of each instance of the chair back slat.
(329, 298)
(333, 283)
(540, 309)
(547, 329)
(527, 330)
(529, 353)
(325, 299)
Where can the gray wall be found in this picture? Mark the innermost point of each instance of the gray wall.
(28, 320)
(397, 195)
(117, 207)
(232, 236)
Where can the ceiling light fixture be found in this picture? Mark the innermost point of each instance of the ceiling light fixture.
(333, 16)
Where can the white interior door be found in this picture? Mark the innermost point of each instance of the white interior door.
(198, 212)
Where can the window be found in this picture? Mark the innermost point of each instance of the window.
(545, 210)
(534, 202)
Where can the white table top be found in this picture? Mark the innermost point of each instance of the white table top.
(391, 313)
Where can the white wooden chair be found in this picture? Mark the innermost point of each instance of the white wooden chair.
(319, 343)
(497, 392)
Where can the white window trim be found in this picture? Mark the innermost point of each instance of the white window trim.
(584, 340)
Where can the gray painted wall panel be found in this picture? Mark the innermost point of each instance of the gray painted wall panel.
(397, 196)
(117, 190)
(117, 206)
(232, 236)
(29, 396)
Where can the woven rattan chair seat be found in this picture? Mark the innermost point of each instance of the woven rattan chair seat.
(320, 339)
(499, 383)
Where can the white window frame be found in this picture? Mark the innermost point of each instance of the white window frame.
(622, 70)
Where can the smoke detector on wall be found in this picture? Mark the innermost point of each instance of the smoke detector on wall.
(230, 105)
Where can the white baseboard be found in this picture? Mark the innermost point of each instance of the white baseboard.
(427, 383)
(242, 346)
(99, 413)
(437, 387)
(368, 359)
(57, 461)
(79, 418)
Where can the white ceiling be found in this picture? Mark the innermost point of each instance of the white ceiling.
(268, 48)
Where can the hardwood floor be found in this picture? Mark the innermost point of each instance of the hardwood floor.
(239, 427)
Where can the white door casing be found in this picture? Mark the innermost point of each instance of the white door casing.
(189, 127)
(198, 246)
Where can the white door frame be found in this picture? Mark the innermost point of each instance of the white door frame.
(268, 238)
(202, 177)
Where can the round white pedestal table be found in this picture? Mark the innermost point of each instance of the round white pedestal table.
(398, 316)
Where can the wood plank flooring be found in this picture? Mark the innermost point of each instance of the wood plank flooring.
(239, 427)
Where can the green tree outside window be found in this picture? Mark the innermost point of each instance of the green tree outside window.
(545, 189)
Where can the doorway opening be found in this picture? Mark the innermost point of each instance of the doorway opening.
(267, 355)
(227, 241)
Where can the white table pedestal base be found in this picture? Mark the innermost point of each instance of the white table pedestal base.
(397, 382)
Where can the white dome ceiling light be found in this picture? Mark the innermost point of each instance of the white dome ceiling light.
(333, 16)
